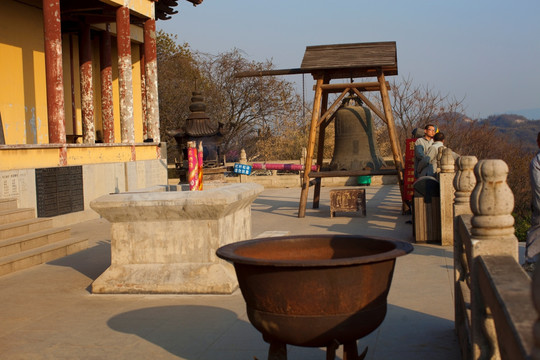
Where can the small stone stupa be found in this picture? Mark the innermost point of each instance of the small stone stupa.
(199, 127)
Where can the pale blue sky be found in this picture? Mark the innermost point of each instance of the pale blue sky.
(485, 51)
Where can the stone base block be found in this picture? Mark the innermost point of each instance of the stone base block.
(164, 240)
(167, 279)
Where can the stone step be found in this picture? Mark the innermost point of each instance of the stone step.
(33, 240)
(14, 215)
(41, 255)
(24, 227)
(8, 204)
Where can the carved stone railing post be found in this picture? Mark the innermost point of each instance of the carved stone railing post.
(446, 177)
(492, 233)
(243, 160)
(464, 183)
(492, 203)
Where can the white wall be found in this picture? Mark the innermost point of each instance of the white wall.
(98, 180)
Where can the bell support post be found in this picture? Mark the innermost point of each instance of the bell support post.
(311, 147)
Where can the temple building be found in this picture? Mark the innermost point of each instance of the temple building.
(79, 114)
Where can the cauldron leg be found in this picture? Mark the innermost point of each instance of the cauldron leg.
(331, 350)
(350, 351)
(277, 351)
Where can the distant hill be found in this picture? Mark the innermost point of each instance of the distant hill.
(531, 114)
(516, 127)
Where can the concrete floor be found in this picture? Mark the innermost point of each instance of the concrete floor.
(47, 312)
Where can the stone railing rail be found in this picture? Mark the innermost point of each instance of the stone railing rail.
(494, 309)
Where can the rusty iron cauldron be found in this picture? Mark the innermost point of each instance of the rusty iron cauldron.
(315, 290)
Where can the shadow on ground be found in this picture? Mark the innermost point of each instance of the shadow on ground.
(193, 332)
(210, 333)
(91, 262)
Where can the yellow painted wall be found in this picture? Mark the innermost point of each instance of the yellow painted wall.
(72, 97)
(42, 128)
(137, 92)
(143, 7)
(116, 94)
(94, 155)
(80, 155)
(25, 158)
(146, 152)
(23, 96)
(96, 77)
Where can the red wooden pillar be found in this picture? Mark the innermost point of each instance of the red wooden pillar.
(56, 115)
(143, 92)
(107, 113)
(87, 88)
(72, 87)
(152, 102)
(125, 75)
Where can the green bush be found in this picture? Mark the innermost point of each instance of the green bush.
(521, 225)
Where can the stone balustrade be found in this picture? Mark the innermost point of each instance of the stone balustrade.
(494, 311)
(446, 178)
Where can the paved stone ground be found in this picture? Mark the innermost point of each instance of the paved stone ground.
(47, 312)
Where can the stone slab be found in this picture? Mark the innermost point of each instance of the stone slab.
(164, 240)
(167, 279)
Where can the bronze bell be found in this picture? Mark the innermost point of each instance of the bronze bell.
(355, 146)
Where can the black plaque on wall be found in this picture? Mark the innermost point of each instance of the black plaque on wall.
(59, 190)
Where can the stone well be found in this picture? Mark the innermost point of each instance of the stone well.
(164, 239)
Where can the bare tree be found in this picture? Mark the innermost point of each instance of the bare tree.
(177, 73)
(415, 106)
(285, 138)
(251, 106)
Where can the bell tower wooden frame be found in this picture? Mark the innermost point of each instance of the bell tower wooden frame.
(344, 61)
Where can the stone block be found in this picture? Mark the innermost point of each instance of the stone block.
(163, 239)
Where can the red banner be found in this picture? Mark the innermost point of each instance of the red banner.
(409, 179)
(193, 169)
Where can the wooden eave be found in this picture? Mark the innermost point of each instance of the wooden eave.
(342, 61)
(96, 11)
(360, 55)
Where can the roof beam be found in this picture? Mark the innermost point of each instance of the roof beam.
(361, 86)
(256, 73)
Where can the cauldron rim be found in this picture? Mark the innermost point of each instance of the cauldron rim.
(400, 248)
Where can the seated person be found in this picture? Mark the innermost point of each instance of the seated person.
(428, 165)
(420, 147)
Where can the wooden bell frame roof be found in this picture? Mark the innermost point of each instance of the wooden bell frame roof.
(344, 61)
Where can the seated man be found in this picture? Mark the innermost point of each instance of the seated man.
(420, 147)
(428, 165)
